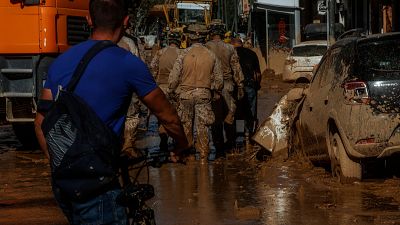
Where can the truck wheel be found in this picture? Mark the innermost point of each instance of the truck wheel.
(25, 133)
(342, 166)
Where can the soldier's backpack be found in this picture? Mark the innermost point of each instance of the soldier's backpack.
(83, 150)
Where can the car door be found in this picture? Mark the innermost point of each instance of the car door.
(316, 105)
(307, 121)
(322, 103)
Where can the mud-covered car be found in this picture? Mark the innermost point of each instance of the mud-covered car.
(302, 58)
(351, 109)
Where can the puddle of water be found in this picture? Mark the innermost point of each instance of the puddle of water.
(235, 192)
(207, 195)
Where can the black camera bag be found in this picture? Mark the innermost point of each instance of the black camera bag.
(84, 151)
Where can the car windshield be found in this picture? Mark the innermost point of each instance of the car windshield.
(379, 58)
(309, 50)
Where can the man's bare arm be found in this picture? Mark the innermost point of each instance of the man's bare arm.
(45, 95)
(158, 104)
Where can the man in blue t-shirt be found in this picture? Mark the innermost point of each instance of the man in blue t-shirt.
(107, 86)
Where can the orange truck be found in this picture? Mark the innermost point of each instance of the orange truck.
(33, 34)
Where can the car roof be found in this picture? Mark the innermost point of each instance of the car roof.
(367, 38)
(317, 42)
(376, 37)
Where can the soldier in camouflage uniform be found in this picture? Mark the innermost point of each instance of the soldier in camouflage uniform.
(233, 79)
(132, 117)
(196, 76)
(161, 66)
(132, 44)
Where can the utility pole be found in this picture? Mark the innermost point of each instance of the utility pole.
(225, 10)
(330, 22)
(235, 19)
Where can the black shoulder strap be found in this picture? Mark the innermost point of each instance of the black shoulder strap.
(98, 47)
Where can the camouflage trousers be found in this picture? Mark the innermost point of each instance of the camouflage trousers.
(195, 110)
(227, 94)
(131, 126)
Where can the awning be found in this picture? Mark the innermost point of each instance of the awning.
(277, 8)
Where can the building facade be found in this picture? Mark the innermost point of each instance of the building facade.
(281, 23)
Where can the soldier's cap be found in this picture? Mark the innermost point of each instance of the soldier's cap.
(197, 31)
(217, 29)
(216, 22)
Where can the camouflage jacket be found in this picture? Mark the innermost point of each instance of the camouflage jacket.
(196, 67)
(229, 61)
(130, 45)
(163, 62)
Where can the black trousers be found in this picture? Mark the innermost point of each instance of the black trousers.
(220, 109)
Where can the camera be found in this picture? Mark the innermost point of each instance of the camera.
(134, 195)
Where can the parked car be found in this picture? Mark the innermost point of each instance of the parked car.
(353, 33)
(351, 110)
(318, 31)
(302, 59)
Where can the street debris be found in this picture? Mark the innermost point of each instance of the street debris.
(272, 134)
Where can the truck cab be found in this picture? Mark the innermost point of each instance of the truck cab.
(34, 33)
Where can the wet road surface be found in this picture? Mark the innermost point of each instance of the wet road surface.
(225, 192)
(270, 194)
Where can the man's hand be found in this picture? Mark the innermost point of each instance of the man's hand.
(240, 93)
(216, 96)
(45, 95)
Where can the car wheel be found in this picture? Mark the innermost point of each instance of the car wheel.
(344, 168)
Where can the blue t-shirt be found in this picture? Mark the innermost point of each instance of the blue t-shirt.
(107, 83)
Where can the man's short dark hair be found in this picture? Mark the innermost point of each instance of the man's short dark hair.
(107, 14)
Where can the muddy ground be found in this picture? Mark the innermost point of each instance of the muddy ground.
(234, 191)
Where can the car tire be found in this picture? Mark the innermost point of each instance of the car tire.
(342, 166)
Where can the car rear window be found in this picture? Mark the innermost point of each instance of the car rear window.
(309, 50)
(379, 58)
